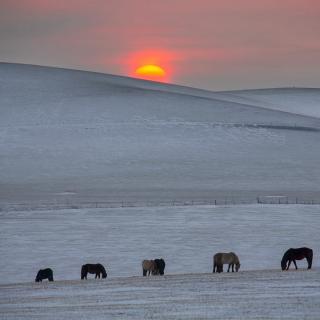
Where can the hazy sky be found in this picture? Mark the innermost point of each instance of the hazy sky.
(203, 43)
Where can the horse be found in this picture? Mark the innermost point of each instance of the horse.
(44, 274)
(292, 255)
(98, 269)
(160, 266)
(219, 259)
(149, 267)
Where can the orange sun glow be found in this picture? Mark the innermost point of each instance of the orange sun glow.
(150, 72)
(154, 65)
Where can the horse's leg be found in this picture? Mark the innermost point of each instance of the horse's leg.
(288, 264)
(144, 272)
(295, 264)
(233, 267)
(229, 267)
(214, 268)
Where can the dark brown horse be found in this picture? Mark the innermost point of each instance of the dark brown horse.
(97, 269)
(160, 266)
(44, 274)
(292, 255)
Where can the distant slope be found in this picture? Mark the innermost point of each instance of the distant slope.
(303, 101)
(67, 134)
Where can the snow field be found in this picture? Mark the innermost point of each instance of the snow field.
(186, 237)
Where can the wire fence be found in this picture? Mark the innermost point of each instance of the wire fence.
(68, 204)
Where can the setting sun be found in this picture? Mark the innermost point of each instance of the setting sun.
(150, 72)
(153, 65)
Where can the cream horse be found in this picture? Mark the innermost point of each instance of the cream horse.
(148, 267)
(219, 259)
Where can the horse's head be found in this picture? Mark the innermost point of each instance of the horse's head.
(238, 267)
(283, 264)
(38, 277)
(103, 271)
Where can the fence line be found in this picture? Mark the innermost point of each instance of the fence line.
(68, 204)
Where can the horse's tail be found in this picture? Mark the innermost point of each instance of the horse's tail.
(103, 271)
(84, 271)
(310, 258)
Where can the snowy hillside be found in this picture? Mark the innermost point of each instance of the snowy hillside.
(70, 135)
(303, 101)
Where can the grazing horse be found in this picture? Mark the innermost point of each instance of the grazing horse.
(219, 259)
(160, 266)
(44, 274)
(149, 267)
(98, 269)
(292, 255)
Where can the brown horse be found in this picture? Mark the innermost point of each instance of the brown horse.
(219, 259)
(292, 255)
(97, 269)
(149, 267)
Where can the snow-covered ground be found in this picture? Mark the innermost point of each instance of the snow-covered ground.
(186, 237)
(246, 295)
(70, 135)
(120, 238)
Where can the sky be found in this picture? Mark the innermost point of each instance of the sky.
(210, 44)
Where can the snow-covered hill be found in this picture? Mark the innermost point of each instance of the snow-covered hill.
(74, 135)
(303, 101)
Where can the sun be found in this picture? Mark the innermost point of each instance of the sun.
(151, 64)
(151, 72)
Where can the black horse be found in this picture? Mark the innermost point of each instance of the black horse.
(292, 255)
(44, 274)
(98, 269)
(160, 263)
